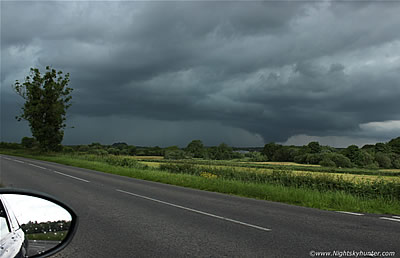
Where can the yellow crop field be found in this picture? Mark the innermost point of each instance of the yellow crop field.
(347, 177)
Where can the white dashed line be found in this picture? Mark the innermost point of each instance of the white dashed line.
(396, 217)
(33, 165)
(77, 178)
(196, 211)
(398, 220)
(351, 213)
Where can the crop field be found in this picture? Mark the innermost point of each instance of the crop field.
(358, 177)
(350, 189)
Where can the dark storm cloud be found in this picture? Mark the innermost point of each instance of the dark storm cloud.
(275, 69)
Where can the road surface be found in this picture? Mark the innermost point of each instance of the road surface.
(126, 217)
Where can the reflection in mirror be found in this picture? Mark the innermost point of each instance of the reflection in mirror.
(45, 224)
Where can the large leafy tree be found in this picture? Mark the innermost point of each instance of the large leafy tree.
(196, 148)
(47, 98)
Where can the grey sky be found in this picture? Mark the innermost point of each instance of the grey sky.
(244, 73)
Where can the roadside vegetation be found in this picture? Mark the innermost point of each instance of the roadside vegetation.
(50, 231)
(374, 189)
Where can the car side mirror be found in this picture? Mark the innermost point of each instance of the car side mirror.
(34, 224)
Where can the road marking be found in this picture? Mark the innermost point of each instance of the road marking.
(398, 220)
(33, 165)
(351, 213)
(77, 178)
(396, 217)
(19, 161)
(196, 211)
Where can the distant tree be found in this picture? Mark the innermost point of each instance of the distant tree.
(132, 150)
(383, 160)
(363, 159)
(154, 151)
(327, 149)
(83, 148)
(224, 152)
(28, 142)
(95, 145)
(47, 99)
(67, 149)
(301, 158)
(211, 152)
(282, 154)
(196, 148)
(313, 158)
(382, 147)
(113, 151)
(314, 147)
(270, 149)
(326, 162)
(395, 145)
(120, 145)
(174, 154)
(369, 148)
(256, 156)
(341, 160)
(351, 152)
(396, 162)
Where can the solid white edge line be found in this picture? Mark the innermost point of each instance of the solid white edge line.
(398, 220)
(196, 211)
(351, 213)
(77, 178)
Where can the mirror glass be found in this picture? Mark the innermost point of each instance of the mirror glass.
(40, 224)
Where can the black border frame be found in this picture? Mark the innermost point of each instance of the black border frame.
(74, 221)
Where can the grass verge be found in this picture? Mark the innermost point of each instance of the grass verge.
(49, 236)
(327, 200)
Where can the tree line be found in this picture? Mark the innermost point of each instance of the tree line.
(379, 155)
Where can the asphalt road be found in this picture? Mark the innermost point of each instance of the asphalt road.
(38, 246)
(125, 217)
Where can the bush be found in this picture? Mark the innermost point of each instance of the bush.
(300, 158)
(10, 145)
(83, 148)
(363, 159)
(113, 151)
(256, 156)
(396, 163)
(183, 168)
(98, 152)
(67, 149)
(383, 160)
(326, 162)
(373, 165)
(314, 158)
(28, 142)
(174, 154)
(340, 160)
(122, 161)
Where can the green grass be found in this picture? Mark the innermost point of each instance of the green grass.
(328, 200)
(50, 236)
